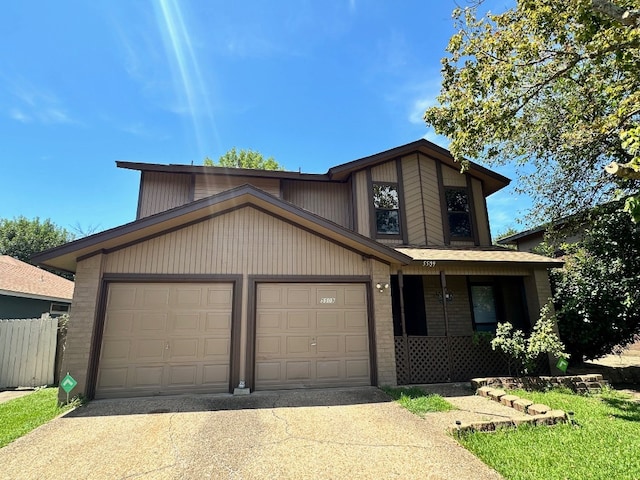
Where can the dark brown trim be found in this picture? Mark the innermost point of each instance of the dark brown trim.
(372, 209)
(443, 206)
(486, 213)
(140, 190)
(472, 207)
(402, 200)
(228, 195)
(213, 170)
(354, 205)
(403, 322)
(424, 212)
(101, 309)
(254, 280)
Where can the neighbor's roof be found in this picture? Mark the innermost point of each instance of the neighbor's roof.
(478, 254)
(20, 279)
(66, 256)
(491, 181)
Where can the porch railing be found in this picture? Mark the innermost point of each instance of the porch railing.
(445, 359)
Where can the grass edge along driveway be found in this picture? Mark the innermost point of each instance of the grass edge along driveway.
(21, 415)
(602, 444)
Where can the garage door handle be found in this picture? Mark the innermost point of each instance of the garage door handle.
(313, 344)
(166, 346)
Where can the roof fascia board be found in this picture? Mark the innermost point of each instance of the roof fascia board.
(34, 296)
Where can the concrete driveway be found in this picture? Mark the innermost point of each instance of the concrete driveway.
(314, 434)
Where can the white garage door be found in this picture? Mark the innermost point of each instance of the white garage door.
(311, 335)
(162, 338)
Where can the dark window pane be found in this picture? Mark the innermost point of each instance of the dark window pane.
(385, 196)
(459, 225)
(457, 201)
(387, 221)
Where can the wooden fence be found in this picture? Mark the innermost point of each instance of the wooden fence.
(28, 351)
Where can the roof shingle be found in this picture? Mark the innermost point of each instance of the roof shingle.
(25, 280)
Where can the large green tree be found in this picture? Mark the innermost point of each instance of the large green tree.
(597, 293)
(21, 238)
(244, 158)
(551, 84)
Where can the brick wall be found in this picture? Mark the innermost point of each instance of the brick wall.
(81, 321)
(385, 345)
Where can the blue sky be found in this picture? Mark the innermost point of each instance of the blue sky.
(313, 84)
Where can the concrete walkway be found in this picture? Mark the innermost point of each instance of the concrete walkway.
(6, 395)
(313, 434)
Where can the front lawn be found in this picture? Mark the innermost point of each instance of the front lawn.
(418, 401)
(604, 444)
(21, 415)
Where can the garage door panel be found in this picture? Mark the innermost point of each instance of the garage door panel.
(147, 376)
(299, 319)
(356, 344)
(217, 322)
(298, 371)
(328, 320)
(155, 297)
(215, 374)
(326, 326)
(182, 375)
(298, 345)
(268, 346)
(151, 323)
(328, 370)
(357, 369)
(166, 338)
(117, 351)
(119, 323)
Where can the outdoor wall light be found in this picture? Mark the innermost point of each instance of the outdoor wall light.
(448, 295)
(382, 286)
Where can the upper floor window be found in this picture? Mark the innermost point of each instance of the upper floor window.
(458, 212)
(387, 206)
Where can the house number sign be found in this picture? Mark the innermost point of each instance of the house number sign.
(328, 300)
(429, 263)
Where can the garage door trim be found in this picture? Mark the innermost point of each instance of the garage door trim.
(99, 324)
(252, 310)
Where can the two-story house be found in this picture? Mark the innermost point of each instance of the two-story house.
(378, 272)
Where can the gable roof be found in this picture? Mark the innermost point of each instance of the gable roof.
(65, 257)
(20, 279)
(491, 181)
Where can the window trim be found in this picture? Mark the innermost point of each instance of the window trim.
(374, 210)
(54, 308)
(446, 212)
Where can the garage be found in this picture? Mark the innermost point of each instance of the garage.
(165, 338)
(311, 335)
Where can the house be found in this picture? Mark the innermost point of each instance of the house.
(27, 291)
(378, 272)
(565, 231)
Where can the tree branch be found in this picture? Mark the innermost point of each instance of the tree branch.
(622, 170)
(630, 18)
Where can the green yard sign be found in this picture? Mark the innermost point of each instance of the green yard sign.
(562, 365)
(68, 383)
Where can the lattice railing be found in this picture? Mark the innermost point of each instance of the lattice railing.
(443, 359)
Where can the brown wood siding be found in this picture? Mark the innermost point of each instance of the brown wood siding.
(453, 178)
(242, 241)
(362, 203)
(413, 201)
(207, 185)
(482, 221)
(163, 191)
(386, 172)
(329, 200)
(431, 201)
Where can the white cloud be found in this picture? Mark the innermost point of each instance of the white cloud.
(36, 105)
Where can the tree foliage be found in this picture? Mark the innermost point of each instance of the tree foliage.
(244, 158)
(597, 293)
(523, 352)
(21, 238)
(551, 84)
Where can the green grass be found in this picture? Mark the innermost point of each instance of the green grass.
(21, 415)
(418, 401)
(605, 443)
